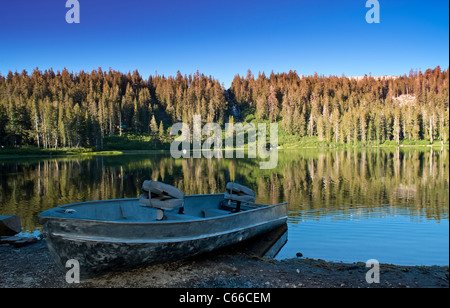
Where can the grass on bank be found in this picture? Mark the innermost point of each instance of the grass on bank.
(133, 143)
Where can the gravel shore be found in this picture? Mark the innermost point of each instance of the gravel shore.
(32, 267)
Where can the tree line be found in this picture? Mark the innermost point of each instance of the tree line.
(66, 109)
(348, 110)
(63, 109)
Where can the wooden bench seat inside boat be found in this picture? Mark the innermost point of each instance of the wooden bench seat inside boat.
(161, 196)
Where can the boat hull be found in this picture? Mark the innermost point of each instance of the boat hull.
(103, 246)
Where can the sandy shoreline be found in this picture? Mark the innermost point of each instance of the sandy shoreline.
(32, 267)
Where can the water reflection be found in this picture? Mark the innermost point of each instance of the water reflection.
(266, 245)
(407, 181)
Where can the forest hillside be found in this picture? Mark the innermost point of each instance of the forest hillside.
(62, 109)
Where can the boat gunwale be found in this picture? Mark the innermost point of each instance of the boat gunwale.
(45, 218)
(163, 240)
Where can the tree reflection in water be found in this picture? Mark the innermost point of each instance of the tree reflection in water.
(409, 179)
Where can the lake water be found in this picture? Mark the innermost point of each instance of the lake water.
(344, 205)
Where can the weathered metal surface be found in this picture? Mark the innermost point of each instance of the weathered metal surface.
(119, 234)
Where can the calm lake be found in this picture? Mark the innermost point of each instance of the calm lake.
(344, 205)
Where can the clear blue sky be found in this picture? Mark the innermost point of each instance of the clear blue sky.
(224, 38)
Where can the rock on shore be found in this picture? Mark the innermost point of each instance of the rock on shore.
(9, 225)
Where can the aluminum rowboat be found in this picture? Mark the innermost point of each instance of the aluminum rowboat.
(115, 235)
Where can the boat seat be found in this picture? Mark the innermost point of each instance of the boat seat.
(161, 196)
(239, 194)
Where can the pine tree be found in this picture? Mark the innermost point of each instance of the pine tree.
(296, 121)
(380, 130)
(261, 109)
(363, 126)
(416, 126)
(62, 136)
(154, 127)
(302, 125)
(346, 128)
(397, 127)
(161, 131)
(135, 118)
(274, 108)
(335, 123)
(3, 123)
(320, 129)
(36, 120)
(286, 115)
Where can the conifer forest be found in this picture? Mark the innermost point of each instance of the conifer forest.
(50, 110)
